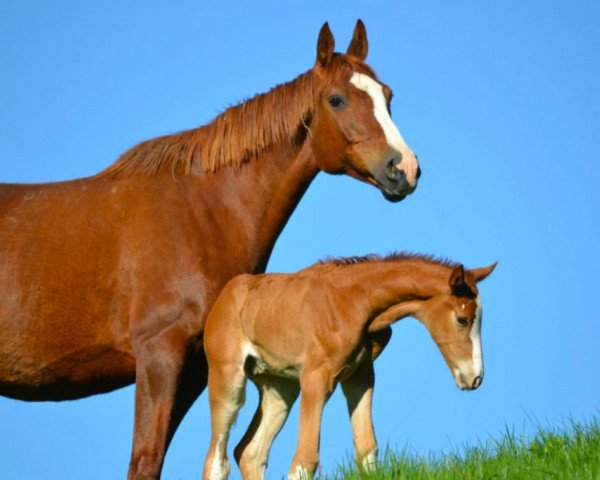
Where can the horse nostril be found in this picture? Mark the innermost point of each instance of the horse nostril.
(477, 381)
(392, 171)
(418, 172)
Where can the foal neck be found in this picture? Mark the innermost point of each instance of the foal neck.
(380, 283)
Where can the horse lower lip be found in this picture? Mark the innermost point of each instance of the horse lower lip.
(392, 195)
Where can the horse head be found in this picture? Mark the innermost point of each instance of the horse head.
(352, 130)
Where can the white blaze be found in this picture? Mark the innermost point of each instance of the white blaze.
(476, 341)
(375, 91)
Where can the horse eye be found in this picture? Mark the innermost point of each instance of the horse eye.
(462, 321)
(337, 101)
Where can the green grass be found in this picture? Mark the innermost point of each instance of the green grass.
(569, 452)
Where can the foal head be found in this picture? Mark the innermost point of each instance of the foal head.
(352, 130)
(453, 319)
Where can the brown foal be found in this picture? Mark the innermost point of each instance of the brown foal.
(307, 331)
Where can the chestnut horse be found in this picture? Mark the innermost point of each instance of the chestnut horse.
(326, 324)
(108, 280)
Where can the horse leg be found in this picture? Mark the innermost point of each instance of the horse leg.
(316, 386)
(226, 395)
(193, 381)
(358, 390)
(277, 395)
(159, 362)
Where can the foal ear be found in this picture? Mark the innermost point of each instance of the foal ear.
(481, 273)
(325, 45)
(459, 284)
(359, 45)
(457, 279)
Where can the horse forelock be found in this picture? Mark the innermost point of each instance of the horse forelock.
(242, 131)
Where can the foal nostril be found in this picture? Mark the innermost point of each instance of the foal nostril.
(477, 381)
(418, 171)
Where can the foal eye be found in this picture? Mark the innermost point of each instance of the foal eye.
(337, 101)
(462, 321)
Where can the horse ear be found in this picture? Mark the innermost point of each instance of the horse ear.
(457, 279)
(481, 273)
(359, 45)
(325, 45)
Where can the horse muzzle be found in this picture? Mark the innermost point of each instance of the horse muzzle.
(394, 182)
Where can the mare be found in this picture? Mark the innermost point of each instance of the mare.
(107, 280)
(308, 331)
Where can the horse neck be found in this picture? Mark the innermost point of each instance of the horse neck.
(284, 177)
(260, 197)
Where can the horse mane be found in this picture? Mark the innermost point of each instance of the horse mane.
(390, 257)
(241, 132)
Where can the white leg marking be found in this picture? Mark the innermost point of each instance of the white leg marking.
(300, 474)
(219, 469)
(275, 412)
(369, 463)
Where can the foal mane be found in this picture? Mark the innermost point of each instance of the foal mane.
(242, 131)
(390, 257)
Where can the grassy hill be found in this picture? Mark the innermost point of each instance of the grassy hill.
(569, 452)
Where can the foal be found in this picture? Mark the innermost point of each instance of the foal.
(326, 324)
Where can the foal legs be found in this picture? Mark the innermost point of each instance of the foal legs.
(358, 390)
(277, 395)
(317, 385)
(226, 394)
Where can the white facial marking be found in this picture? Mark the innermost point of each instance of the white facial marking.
(375, 91)
(476, 341)
(474, 368)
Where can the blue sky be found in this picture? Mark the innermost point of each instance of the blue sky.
(500, 101)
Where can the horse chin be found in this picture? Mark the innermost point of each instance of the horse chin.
(391, 196)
